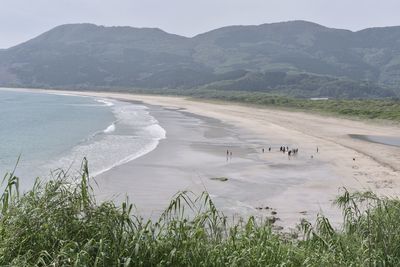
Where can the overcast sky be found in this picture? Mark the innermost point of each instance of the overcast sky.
(21, 20)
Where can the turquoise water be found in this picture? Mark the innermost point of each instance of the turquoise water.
(50, 131)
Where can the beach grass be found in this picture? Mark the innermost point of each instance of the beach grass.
(59, 223)
(370, 109)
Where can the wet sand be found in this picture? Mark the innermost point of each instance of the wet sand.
(384, 140)
(194, 152)
(193, 157)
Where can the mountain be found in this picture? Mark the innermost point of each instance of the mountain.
(297, 58)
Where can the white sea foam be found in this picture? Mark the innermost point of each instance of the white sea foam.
(106, 102)
(134, 134)
(110, 129)
(140, 152)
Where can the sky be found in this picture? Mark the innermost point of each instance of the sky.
(21, 20)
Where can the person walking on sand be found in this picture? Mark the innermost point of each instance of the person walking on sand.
(227, 155)
(269, 149)
(263, 150)
(317, 149)
(230, 155)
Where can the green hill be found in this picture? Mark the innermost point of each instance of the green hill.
(296, 58)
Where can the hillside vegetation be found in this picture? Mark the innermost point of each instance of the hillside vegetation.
(296, 58)
(370, 109)
(59, 223)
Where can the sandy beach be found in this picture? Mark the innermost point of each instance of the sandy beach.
(194, 152)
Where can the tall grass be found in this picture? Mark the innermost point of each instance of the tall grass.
(59, 223)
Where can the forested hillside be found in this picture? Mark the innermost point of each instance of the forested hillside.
(297, 58)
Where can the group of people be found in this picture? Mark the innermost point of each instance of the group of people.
(283, 149)
(290, 152)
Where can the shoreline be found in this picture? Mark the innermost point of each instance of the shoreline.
(137, 133)
(144, 150)
(375, 166)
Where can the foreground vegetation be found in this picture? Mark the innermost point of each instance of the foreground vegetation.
(59, 223)
(380, 109)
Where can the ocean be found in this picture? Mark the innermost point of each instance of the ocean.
(49, 132)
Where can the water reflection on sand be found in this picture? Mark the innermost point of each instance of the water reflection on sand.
(385, 140)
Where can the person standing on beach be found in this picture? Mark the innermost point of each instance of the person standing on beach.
(317, 149)
(269, 149)
(263, 150)
(227, 155)
(230, 155)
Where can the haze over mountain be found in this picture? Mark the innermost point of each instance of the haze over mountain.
(295, 58)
